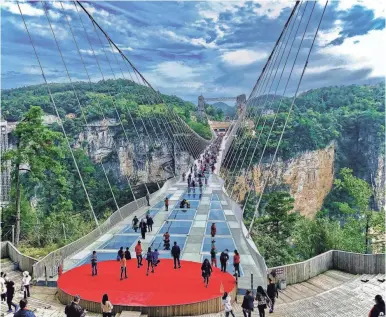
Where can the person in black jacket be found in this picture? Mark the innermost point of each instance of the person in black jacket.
(247, 304)
(224, 257)
(10, 293)
(74, 309)
(127, 254)
(378, 308)
(206, 269)
(149, 222)
(176, 252)
(272, 294)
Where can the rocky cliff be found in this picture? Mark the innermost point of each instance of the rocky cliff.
(150, 158)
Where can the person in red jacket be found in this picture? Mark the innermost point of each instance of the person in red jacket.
(138, 253)
(213, 230)
(236, 263)
(166, 204)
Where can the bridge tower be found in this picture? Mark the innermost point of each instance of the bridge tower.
(240, 102)
(5, 177)
(201, 108)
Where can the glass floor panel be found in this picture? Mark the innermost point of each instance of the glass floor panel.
(158, 242)
(220, 243)
(192, 196)
(120, 241)
(216, 214)
(229, 267)
(215, 205)
(176, 227)
(165, 255)
(222, 229)
(182, 214)
(102, 256)
(215, 197)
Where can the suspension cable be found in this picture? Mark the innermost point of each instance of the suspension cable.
(288, 115)
(59, 119)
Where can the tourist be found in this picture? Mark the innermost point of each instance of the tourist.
(143, 227)
(206, 269)
(155, 257)
(24, 311)
(138, 253)
(176, 252)
(166, 241)
(272, 294)
(120, 254)
(149, 258)
(94, 261)
(150, 223)
(183, 176)
(213, 230)
(262, 299)
(378, 308)
(213, 254)
(123, 267)
(187, 204)
(135, 223)
(25, 283)
(3, 288)
(107, 307)
(148, 198)
(167, 204)
(127, 254)
(10, 293)
(247, 304)
(193, 185)
(226, 301)
(74, 309)
(236, 263)
(224, 257)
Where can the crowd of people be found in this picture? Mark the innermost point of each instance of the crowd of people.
(7, 288)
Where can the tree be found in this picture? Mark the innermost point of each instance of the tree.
(38, 150)
(357, 206)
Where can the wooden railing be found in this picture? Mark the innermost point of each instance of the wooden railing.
(24, 262)
(354, 263)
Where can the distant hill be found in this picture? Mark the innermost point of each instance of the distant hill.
(228, 110)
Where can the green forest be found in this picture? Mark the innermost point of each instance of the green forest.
(353, 118)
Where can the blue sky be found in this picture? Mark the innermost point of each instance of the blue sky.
(188, 48)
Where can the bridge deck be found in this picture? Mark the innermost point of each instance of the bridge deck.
(189, 227)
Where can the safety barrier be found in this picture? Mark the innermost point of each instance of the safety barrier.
(354, 263)
(48, 266)
(24, 262)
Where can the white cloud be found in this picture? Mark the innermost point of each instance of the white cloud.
(272, 9)
(25, 8)
(243, 57)
(126, 48)
(377, 6)
(327, 36)
(361, 52)
(194, 41)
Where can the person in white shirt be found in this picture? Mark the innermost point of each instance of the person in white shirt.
(3, 288)
(226, 301)
(107, 307)
(25, 283)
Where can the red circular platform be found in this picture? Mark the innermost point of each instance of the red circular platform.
(167, 286)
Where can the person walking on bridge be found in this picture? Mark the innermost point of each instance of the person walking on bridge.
(176, 252)
(213, 230)
(135, 223)
(127, 254)
(94, 263)
(206, 269)
(167, 204)
(236, 263)
(149, 223)
(213, 254)
(224, 257)
(149, 259)
(123, 267)
(148, 198)
(143, 228)
(138, 253)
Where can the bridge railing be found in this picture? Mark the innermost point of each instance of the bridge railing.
(48, 266)
(24, 262)
(354, 263)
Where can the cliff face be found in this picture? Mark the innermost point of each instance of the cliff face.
(143, 156)
(308, 177)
